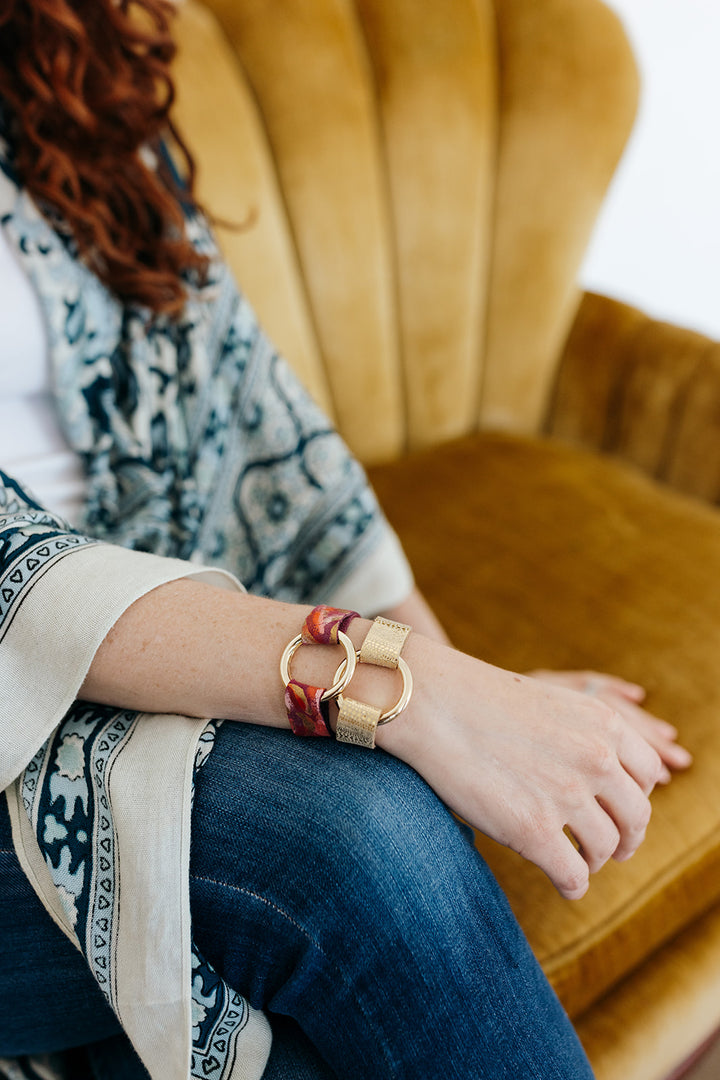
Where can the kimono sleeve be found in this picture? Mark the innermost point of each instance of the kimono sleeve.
(60, 594)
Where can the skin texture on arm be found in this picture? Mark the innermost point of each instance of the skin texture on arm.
(518, 758)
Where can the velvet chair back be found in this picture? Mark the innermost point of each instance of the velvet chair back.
(417, 184)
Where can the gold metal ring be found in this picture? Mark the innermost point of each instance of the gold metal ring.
(342, 678)
(401, 702)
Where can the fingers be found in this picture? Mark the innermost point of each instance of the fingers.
(625, 697)
(569, 866)
(597, 835)
(602, 831)
(543, 769)
(593, 683)
(630, 812)
(569, 871)
(613, 684)
(609, 815)
(556, 855)
(613, 820)
(639, 759)
(597, 684)
(659, 734)
(622, 796)
(608, 828)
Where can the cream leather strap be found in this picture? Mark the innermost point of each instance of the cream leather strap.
(357, 722)
(384, 643)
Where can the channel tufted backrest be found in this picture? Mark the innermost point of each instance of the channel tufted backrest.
(419, 183)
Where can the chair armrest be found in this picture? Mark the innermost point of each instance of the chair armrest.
(642, 390)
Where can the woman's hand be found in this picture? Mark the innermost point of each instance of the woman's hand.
(626, 698)
(519, 758)
(526, 762)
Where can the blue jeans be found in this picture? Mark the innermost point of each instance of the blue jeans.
(332, 888)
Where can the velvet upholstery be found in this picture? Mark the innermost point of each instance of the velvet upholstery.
(643, 390)
(660, 1013)
(537, 555)
(419, 195)
(414, 186)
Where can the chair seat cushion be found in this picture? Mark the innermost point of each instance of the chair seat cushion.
(535, 554)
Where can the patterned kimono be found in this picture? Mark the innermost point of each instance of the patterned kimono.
(200, 447)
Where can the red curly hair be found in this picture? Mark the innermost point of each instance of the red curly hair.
(88, 86)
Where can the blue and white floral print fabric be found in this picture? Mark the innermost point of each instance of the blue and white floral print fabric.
(197, 438)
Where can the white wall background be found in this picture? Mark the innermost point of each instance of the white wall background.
(657, 242)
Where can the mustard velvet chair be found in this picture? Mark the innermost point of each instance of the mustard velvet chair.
(417, 184)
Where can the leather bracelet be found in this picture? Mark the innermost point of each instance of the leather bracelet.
(358, 722)
(308, 706)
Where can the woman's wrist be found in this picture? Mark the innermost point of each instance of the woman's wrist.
(194, 649)
(382, 687)
(372, 684)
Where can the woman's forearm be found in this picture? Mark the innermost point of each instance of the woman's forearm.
(519, 759)
(191, 648)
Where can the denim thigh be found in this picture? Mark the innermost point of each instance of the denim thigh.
(329, 884)
(332, 888)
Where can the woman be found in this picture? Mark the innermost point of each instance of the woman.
(331, 890)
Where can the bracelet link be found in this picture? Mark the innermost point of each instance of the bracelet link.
(357, 723)
(307, 706)
(383, 643)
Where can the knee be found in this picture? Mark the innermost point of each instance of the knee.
(380, 815)
(390, 849)
(296, 825)
(302, 847)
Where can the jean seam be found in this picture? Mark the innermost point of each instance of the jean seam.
(268, 903)
(298, 926)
